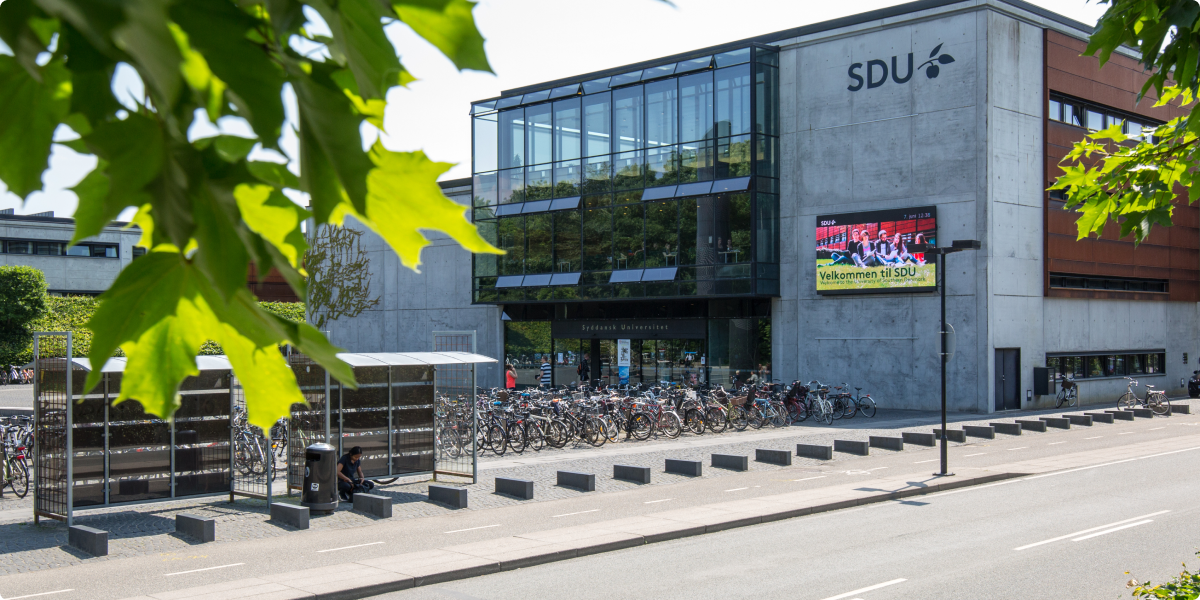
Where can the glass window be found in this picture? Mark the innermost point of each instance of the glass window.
(512, 138)
(49, 248)
(1054, 113)
(82, 251)
(486, 142)
(1137, 364)
(511, 237)
(538, 184)
(138, 251)
(767, 82)
(662, 113)
(1072, 114)
(1095, 120)
(696, 107)
(109, 251)
(697, 161)
(1095, 366)
(597, 175)
(539, 244)
(662, 166)
(662, 234)
(1133, 129)
(485, 186)
(688, 222)
(538, 134)
(767, 228)
(1155, 362)
(628, 243)
(733, 100)
(486, 264)
(597, 121)
(766, 156)
(568, 122)
(512, 186)
(733, 58)
(733, 157)
(1114, 365)
(1052, 364)
(766, 57)
(597, 239)
(568, 177)
(629, 169)
(737, 244)
(627, 118)
(567, 242)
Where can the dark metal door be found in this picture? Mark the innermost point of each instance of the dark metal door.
(1008, 379)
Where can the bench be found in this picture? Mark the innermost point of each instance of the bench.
(631, 473)
(579, 481)
(454, 497)
(887, 443)
(89, 539)
(1007, 428)
(521, 488)
(290, 514)
(732, 462)
(920, 439)
(373, 504)
(852, 447)
(684, 467)
(814, 451)
(980, 431)
(200, 528)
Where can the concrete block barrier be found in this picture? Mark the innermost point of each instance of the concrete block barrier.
(290, 514)
(1084, 420)
(1007, 428)
(521, 488)
(89, 539)
(1100, 417)
(920, 439)
(1183, 409)
(629, 473)
(373, 504)
(199, 528)
(980, 431)
(1056, 422)
(814, 451)
(452, 496)
(685, 467)
(579, 481)
(775, 457)
(887, 443)
(1143, 413)
(954, 435)
(852, 447)
(1121, 415)
(1030, 425)
(732, 462)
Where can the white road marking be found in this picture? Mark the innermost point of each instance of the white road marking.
(921, 462)
(976, 454)
(657, 501)
(810, 478)
(1071, 535)
(866, 589)
(41, 594)
(575, 513)
(1126, 433)
(207, 569)
(348, 547)
(1056, 443)
(1021, 448)
(1155, 428)
(473, 528)
(1107, 531)
(737, 489)
(1094, 437)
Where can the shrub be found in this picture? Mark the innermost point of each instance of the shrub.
(22, 301)
(1185, 586)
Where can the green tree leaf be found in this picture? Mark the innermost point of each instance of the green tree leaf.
(275, 174)
(31, 111)
(131, 152)
(449, 26)
(270, 214)
(357, 27)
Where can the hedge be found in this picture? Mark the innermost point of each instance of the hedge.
(71, 313)
(22, 301)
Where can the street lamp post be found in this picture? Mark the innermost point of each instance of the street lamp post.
(945, 332)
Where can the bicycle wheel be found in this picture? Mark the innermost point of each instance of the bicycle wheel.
(1060, 398)
(535, 435)
(798, 412)
(19, 474)
(670, 424)
(737, 418)
(836, 409)
(1127, 401)
(640, 426)
(716, 420)
(694, 421)
(612, 429)
(779, 417)
(556, 434)
(497, 440)
(1159, 404)
(1073, 397)
(754, 418)
(866, 406)
(826, 412)
(851, 408)
(516, 437)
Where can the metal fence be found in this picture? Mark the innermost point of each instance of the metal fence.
(52, 423)
(309, 423)
(456, 421)
(252, 463)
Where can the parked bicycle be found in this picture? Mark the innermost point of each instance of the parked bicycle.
(1069, 393)
(1155, 400)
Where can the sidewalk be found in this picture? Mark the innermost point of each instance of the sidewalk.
(379, 575)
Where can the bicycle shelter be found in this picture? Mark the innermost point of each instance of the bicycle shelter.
(407, 418)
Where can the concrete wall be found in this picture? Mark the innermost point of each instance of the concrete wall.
(70, 273)
(907, 145)
(414, 305)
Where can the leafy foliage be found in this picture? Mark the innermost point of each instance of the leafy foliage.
(1133, 180)
(207, 209)
(1185, 586)
(339, 284)
(22, 301)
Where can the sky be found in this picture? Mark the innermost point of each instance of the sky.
(528, 42)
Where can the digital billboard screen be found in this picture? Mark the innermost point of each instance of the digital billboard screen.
(881, 251)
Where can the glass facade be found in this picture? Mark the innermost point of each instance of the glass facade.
(657, 183)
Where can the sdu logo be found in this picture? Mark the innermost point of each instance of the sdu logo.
(879, 67)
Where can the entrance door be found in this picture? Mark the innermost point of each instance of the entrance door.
(1008, 379)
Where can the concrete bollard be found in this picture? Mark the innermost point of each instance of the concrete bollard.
(980, 431)
(1007, 428)
(521, 488)
(919, 439)
(373, 504)
(1100, 417)
(1056, 422)
(1084, 420)
(852, 447)
(814, 451)
(731, 462)
(630, 473)
(290, 514)
(452, 496)
(692, 468)
(775, 457)
(580, 481)
(1121, 415)
(90, 540)
(1143, 413)
(954, 435)
(887, 443)
(1183, 409)
(1031, 425)
(200, 528)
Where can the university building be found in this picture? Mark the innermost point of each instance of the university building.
(767, 204)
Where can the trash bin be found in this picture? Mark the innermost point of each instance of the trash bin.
(320, 478)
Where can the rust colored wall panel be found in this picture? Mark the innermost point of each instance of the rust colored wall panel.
(1106, 295)
(1065, 247)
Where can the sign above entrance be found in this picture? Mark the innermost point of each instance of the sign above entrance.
(695, 329)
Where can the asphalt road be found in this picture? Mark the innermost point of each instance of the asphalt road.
(1059, 536)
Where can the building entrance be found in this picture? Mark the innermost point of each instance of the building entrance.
(1008, 379)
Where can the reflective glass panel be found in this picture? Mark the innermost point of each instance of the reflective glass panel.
(486, 264)
(628, 242)
(538, 182)
(539, 243)
(1095, 120)
(662, 166)
(597, 239)
(597, 175)
(697, 161)
(568, 121)
(766, 116)
(766, 155)
(1054, 112)
(766, 226)
(733, 157)
(538, 134)
(662, 233)
(597, 122)
(629, 169)
(512, 138)
(596, 85)
(733, 100)
(662, 113)
(512, 185)
(566, 241)
(511, 236)
(627, 118)
(485, 186)
(733, 57)
(486, 142)
(696, 107)
(687, 231)
(738, 242)
(567, 178)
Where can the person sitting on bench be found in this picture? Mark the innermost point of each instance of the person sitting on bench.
(350, 475)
